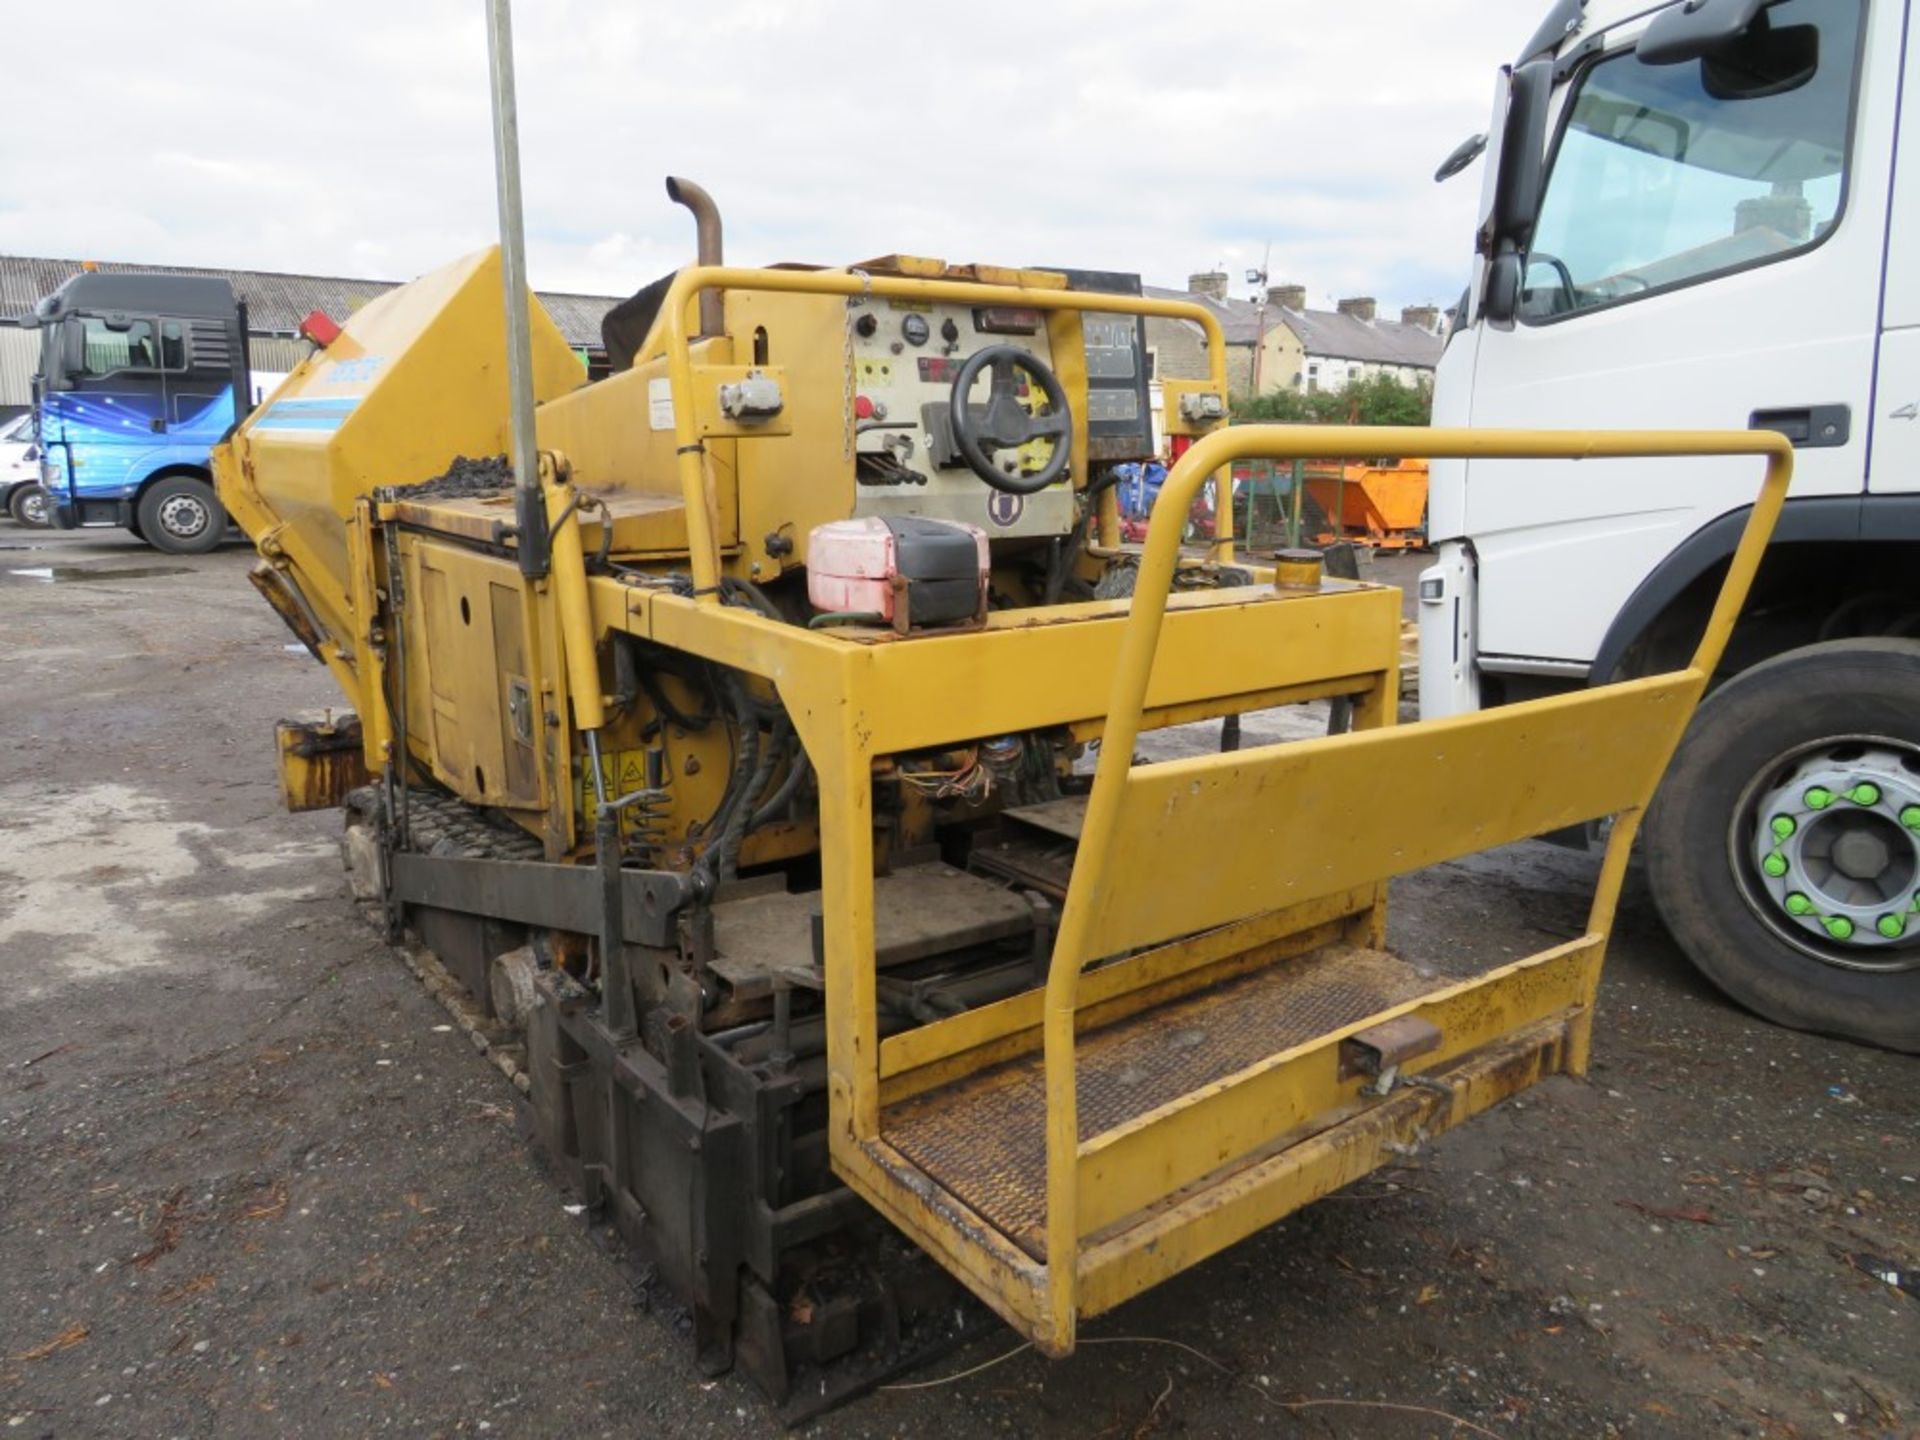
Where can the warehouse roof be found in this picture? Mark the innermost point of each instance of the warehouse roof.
(276, 302)
(1322, 332)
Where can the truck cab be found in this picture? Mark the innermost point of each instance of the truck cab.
(140, 376)
(1689, 217)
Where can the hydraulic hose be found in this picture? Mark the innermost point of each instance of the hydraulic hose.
(777, 803)
(740, 820)
(745, 764)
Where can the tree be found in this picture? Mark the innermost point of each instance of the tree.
(1377, 400)
(1285, 407)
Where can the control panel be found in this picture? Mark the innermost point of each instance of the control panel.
(1119, 405)
(906, 355)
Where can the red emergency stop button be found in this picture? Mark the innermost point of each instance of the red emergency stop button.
(863, 407)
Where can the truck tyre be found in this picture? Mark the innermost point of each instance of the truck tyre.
(1783, 847)
(29, 506)
(179, 514)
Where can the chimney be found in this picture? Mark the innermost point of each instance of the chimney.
(1360, 307)
(1292, 297)
(1427, 317)
(1211, 283)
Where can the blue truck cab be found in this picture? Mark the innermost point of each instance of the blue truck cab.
(140, 377)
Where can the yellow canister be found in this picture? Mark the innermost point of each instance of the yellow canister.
(1296, 569)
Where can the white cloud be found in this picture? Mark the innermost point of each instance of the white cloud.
(352, 136)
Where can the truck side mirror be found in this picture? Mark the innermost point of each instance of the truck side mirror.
(1460, 157)
(1516, 197)
(1523, 159)
(73, 349)
(1501, 302)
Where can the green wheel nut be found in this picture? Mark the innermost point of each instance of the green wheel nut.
(1775, 865)
(1783, 826)
(1798, 904)
(1910, 817)
(1839, 927)
(1891, 926)
(1864, 794)
(1818, 798)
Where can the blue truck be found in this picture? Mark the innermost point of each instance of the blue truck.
(140, 377)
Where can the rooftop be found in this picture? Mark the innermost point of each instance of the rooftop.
(1322, 332)
(276, 303)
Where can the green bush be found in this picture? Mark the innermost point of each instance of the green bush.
(1379, 400)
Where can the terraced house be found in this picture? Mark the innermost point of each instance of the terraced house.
(1280, 343)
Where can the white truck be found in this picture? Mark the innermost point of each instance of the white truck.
(1702, 214)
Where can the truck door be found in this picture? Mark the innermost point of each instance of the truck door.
(113, 416)
(199, 377)
(1895, 466)
(1707, 250)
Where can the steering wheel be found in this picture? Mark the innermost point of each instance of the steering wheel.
(1005, 424)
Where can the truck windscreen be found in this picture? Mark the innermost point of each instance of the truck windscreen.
(1667, 174)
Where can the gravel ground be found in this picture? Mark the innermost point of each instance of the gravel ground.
(252, 1184)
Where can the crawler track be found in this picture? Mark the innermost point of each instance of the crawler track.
(848, 1272)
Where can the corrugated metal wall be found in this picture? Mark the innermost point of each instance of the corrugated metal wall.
(276, 353)
(277, 302)
(20, 357)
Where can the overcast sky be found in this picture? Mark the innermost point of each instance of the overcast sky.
(349, 137)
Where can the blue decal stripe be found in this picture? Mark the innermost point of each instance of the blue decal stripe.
(299, 422)
(304, 413)
(315, 407)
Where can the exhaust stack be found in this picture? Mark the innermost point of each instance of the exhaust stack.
(708, 249)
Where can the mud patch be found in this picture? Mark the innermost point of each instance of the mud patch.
(106, 879)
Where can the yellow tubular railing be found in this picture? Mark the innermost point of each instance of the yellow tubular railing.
(1135, 665)
(704, 553)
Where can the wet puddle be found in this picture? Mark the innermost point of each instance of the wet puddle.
(81, 574)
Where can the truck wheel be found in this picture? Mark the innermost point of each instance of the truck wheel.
(1783, 847)
(180, 515)
(29, 506)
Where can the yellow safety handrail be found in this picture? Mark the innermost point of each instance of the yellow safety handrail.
(1131, 675)
(703, 553)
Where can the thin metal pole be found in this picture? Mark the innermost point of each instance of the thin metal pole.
(1297, 504)
(1260, 331)
(529, 510)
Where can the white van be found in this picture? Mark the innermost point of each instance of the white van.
(22, 497)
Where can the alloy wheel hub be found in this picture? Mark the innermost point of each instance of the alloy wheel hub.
(183, 516)
(1837, 847)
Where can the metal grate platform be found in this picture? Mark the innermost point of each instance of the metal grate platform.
(984, 1137)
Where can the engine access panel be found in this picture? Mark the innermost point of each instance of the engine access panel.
(904, 357)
